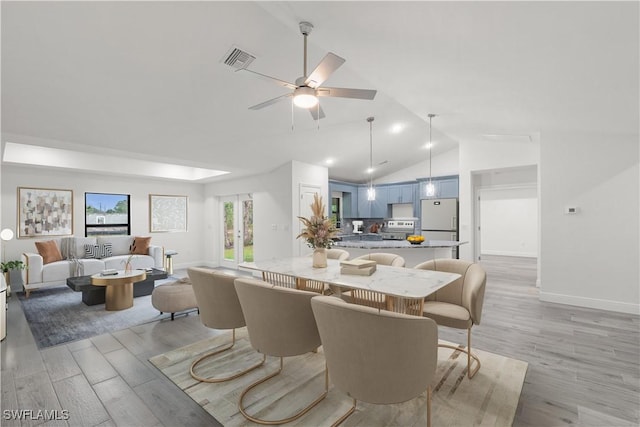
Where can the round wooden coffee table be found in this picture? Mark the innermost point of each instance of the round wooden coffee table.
(119, 288)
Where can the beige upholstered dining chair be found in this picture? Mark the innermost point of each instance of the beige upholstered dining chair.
(371, 298)
(383, 258)
(280, 323)
(459, 304)
(399, 370)
(219, 309)
(339, 254)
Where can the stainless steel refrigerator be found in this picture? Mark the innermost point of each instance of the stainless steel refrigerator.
(439, 220)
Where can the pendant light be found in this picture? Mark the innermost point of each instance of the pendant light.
(371, 192)
(430, 188)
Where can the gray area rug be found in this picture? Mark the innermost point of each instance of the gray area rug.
(58, 315)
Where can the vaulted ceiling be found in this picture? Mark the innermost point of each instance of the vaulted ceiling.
(147, 78)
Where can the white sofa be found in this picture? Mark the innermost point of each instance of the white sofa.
(75, 263)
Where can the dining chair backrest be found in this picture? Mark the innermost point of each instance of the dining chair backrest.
(383, 258)
(279, 320)
(339, 254)
(466, 291)
(217, 298)
(376, 356)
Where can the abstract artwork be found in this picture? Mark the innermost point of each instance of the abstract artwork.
(167, 213)
(44, 212)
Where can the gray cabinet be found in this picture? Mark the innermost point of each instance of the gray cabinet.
(445, 187)
(401, 193)
(372, 208)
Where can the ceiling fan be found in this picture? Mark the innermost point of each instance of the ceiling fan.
(306, 89)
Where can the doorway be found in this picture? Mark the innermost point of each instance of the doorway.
(237, 230)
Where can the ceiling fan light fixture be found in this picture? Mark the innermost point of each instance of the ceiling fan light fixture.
(305, 97)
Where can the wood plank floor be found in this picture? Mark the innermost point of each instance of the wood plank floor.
(584, 366)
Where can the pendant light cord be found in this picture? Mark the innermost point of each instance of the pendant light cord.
(370, 120)
(430, 145)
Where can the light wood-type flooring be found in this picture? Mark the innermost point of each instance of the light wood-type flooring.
(584, 366)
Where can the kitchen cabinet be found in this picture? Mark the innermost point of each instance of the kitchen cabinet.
(401, 193)
(445, 187)
(372, 208)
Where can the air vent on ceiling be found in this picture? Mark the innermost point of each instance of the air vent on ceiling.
(508, 138)
(238, 58)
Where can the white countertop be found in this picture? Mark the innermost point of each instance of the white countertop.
(396, 244)
(395, 281)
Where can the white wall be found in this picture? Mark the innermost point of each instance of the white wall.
(479, 156)
(443, 164)
(509, 221)
(591, 258)
(189, 245)
(275, 208)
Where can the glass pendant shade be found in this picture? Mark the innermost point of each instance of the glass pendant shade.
(430, 189)
(371, 194)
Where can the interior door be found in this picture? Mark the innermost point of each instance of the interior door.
(237, 230)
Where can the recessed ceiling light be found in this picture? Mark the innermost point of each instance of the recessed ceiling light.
(370, 170)
(329, 161)
(428, 145)
(397, 128)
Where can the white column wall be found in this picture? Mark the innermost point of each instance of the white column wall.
(275, 208)
(590, 258)
(478, 156)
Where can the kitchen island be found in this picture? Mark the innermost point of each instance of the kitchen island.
(412, 254)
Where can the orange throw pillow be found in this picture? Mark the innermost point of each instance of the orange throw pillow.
(49, 251)
(140, 245)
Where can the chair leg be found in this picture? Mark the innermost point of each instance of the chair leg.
(429, 406)
(470, 355)
(284, 420)
(213, 353)
(346, 415)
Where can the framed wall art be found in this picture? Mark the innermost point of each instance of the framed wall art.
(167, 213)
(44, 212)
(106, 214)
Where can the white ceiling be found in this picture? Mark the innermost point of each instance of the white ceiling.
(146, 78)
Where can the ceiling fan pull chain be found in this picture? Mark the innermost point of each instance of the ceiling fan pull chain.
(291, 114)
(318, 114)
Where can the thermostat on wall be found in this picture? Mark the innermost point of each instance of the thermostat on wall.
(570, 210)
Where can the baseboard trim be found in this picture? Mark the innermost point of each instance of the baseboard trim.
(601, 304)
(507, 253)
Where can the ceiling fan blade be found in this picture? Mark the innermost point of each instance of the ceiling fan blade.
(325, 68)
(269, 78)
(271, 101)
(341, 92)
(317, 111)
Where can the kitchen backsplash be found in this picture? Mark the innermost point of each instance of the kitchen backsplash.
(347, 226)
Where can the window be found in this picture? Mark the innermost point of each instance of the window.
(106, 214)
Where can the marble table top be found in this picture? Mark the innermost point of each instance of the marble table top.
(396, 244)
(395, 281)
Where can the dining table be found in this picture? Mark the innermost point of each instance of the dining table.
(399, 284)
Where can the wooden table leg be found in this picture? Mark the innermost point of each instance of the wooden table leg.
(119, 297)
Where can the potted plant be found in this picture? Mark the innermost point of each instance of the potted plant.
(319, 232)
(6, 267)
